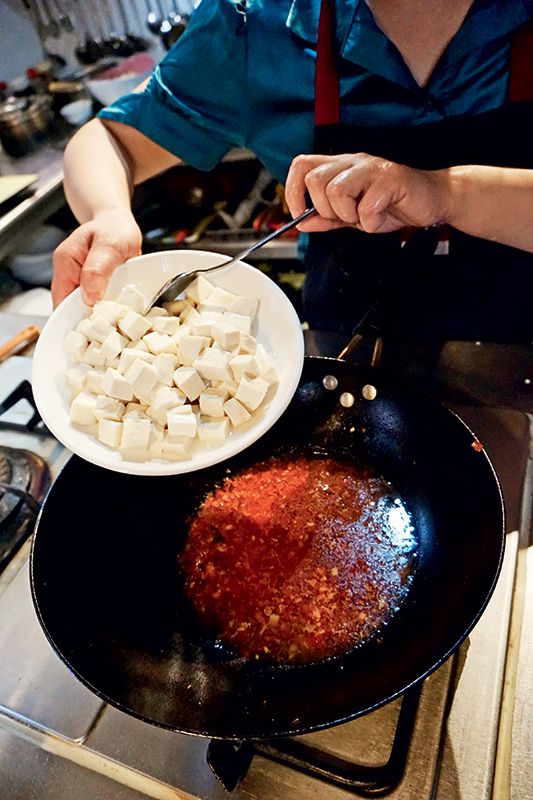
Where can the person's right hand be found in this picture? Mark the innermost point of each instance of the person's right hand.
(89, 255)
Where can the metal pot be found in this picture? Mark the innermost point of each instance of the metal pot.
(25, 122)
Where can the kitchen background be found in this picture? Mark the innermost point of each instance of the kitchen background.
(60, 62)
(469, 736)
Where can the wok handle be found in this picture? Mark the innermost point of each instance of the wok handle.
(367, 330)
(19, 341)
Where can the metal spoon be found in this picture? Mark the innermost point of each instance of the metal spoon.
(175, 286)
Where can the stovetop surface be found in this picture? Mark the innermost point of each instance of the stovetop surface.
(97, 747)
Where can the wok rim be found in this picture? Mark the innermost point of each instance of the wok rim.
(298, 729)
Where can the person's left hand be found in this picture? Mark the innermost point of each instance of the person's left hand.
(365, 192)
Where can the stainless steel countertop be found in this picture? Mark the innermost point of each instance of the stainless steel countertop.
(46, 195)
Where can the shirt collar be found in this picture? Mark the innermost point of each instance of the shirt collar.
(363, 43)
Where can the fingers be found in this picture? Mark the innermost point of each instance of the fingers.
(90, 255)
(68, 262)
(296, 183)
(334, 184)
(102, 260)
(362, 191)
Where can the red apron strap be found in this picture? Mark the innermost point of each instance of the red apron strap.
(521, 65)
(327, 101)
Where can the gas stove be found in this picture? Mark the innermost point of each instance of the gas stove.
(462, 734)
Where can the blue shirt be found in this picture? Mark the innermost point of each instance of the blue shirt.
(246, 78)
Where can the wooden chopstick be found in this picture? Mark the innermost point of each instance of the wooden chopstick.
(20, 341)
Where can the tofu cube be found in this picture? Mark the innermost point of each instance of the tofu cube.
(247, 306)
(164, 399)
(135, 434)
(247, 343)
(110, 310)
(108, 408)
(225, 335)
(98, 329)
(136, 411)
(202, 325)
(251, 393)
(189, 381)
(199, 290)
(244, 365)
(230, 386)
(157, 434)
(160, 343)
(131, 354)
(132, 297)
(113, 345)
(115, 385)
(165, 364)
(189, 315)
(138, 344)
(133, 325)
(82, 409)
(142, 377)
(221, 297)
(266, 368)
(190, 347)
(75, 344)
(213, 365)
(76, 378)
(240, 321)
(175, 307)
(94, 356)
(93, 381)
(166, 324)
(237, 413)
(182, 423)
(110, 432)
(213, 431)
(156, 311)
(212, 402)
(176, 448)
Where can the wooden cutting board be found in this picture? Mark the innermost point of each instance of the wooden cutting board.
(10, 185)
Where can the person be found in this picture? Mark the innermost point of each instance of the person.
(407, 123)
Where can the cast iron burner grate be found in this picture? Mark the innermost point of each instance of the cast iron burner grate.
(230, 761)
(24, 480)
(22, 392)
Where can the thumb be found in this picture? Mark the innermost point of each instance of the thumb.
(102, 260)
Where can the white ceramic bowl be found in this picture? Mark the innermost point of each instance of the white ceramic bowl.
(78, 112)
(277, 328)
(107, 90)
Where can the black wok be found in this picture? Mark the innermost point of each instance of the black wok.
(105, 577)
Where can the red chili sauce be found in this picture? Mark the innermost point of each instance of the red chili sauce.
(298, 559)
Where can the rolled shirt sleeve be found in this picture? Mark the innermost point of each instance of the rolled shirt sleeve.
(195, 102)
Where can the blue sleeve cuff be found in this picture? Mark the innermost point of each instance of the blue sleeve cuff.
(158, 114)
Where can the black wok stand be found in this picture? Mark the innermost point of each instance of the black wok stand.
(230, 761)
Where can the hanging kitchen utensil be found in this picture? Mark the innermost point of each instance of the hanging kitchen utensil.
(136, 43)
(154, 17)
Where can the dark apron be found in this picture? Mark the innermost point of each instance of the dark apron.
(480, 290)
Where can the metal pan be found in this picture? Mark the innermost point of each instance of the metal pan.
(106, 585)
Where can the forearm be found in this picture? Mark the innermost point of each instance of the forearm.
(491, 202)
(103, 161)
(98, 173)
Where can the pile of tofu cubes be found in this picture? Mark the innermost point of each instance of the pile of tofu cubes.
(160, 384)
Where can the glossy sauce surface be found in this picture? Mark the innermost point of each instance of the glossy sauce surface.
(299, 558)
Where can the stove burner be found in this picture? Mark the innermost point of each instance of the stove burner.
(22, 392)
(230, 761)
(24, 480)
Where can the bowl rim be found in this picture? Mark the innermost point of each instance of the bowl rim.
(47, 395)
